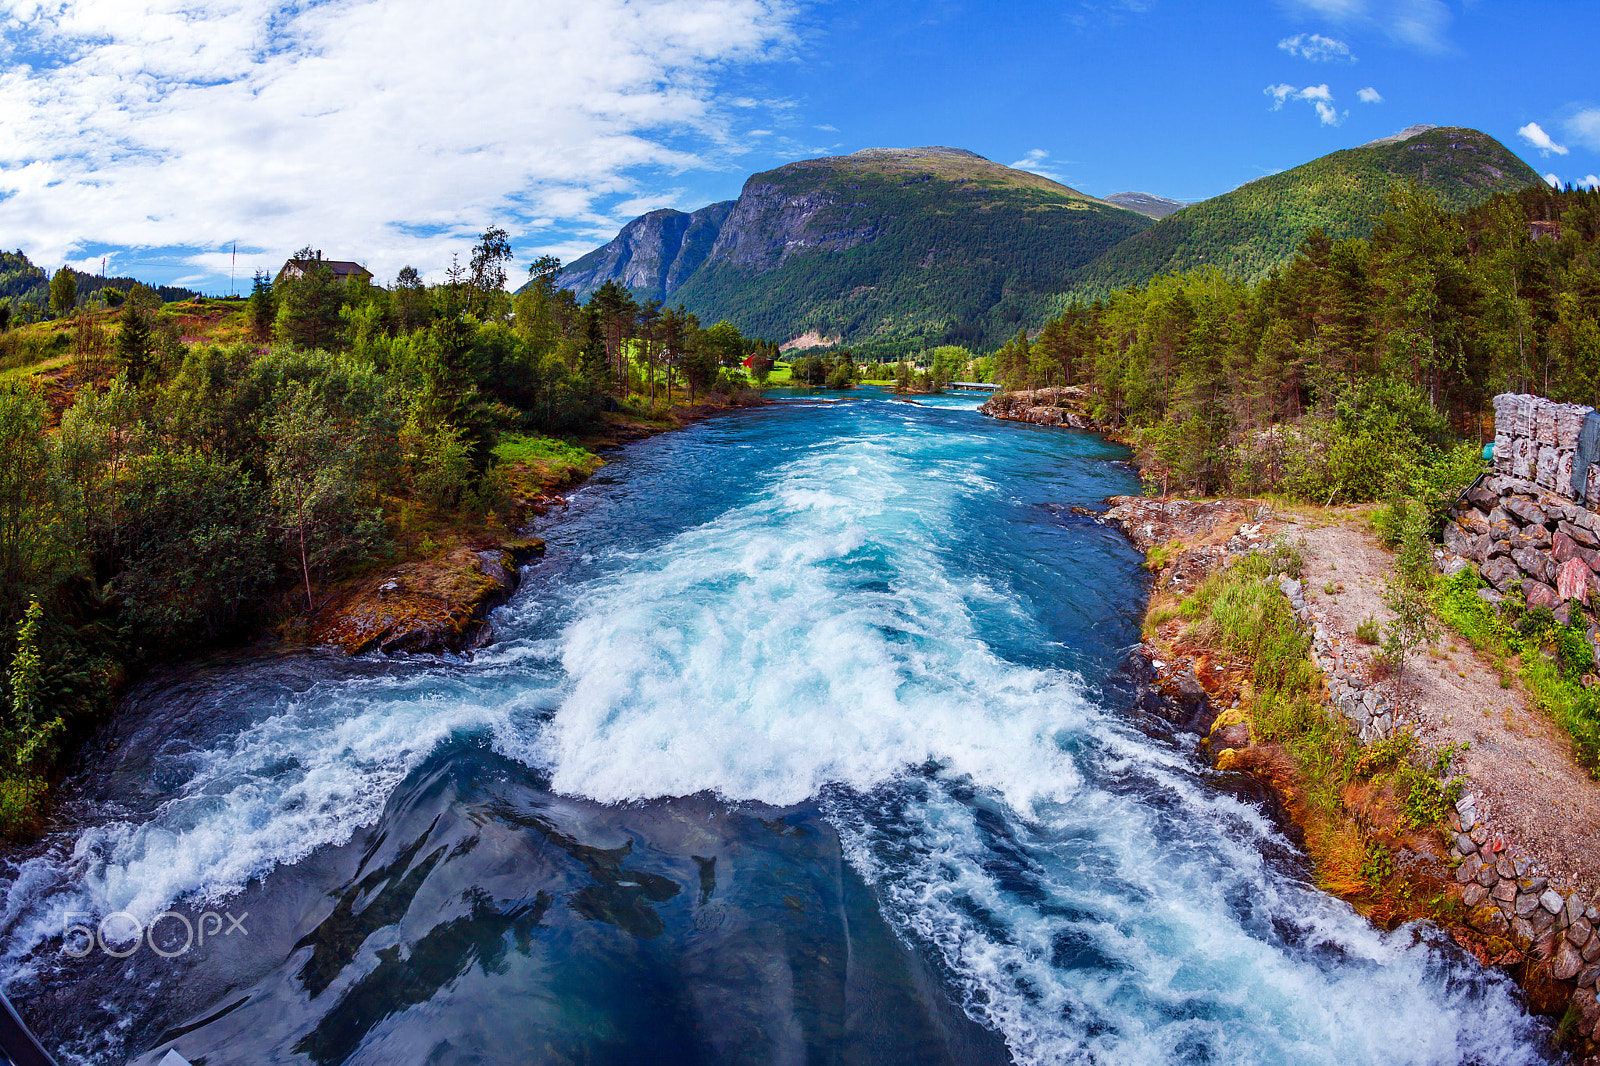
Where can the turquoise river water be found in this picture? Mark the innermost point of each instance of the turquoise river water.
(809, 741)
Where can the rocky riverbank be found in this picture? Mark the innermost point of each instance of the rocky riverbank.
(1503, 881)
(1063, 406)
(434, 605)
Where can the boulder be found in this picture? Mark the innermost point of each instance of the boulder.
(1463, 542)
(1563, 548)
(1540, 595)
(1567, 962)
(1481, 498)
(1502, 523)
(1536, 564)
(1582, 534)
(1530, 537)
(1588, 1009)
(1572, 580)
(1525, 511)
(1501, 572)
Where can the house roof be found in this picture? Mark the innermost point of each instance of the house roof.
(342, 268)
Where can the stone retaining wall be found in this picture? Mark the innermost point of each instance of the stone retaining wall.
(1527, 541)
(1507, 900)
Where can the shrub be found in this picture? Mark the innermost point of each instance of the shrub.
(198, 547)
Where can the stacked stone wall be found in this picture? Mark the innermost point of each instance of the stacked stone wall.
(1508, 899)
(1523, 526)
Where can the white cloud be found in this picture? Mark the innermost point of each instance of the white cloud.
(1421, 24)
(1590, 182)
(1585, 126)
(1037, 161)
(1317, 48)
(1552, 181)
(1279, 94)
(382, 130)
(1369, 95)
(1318, 96)
(1540, 139)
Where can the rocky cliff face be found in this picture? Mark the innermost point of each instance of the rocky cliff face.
(653, 254)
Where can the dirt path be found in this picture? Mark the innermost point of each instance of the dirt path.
(1519, 761)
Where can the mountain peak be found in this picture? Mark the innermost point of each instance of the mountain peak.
(915, 153)
(1146, 203)
(1404, 135)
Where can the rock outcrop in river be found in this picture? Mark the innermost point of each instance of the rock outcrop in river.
(433, 605)
(1060, 406)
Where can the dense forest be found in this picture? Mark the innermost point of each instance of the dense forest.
(182, 491)
(1354, 366)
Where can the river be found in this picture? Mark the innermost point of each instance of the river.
(806, 742)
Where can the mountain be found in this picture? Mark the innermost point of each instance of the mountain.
(1146, 203)
(1260, 224)
(887, 247)
(653, 254)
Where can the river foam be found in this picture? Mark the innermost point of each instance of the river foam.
(816, 635)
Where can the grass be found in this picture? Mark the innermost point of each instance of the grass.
(1519, 646)
(1160, 555)
(1356, 804)
(549, 461)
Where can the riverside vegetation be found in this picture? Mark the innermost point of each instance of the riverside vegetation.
(174, 474)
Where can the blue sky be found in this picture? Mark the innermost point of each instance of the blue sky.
(156, 133)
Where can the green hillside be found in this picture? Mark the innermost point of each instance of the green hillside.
(893, 248)
(1259, 225)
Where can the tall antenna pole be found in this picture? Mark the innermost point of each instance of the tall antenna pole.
(234, 268)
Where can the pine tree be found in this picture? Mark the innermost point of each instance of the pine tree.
(262, 311)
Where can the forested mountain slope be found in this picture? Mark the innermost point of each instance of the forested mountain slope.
(897, 246)
(1260, 224)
